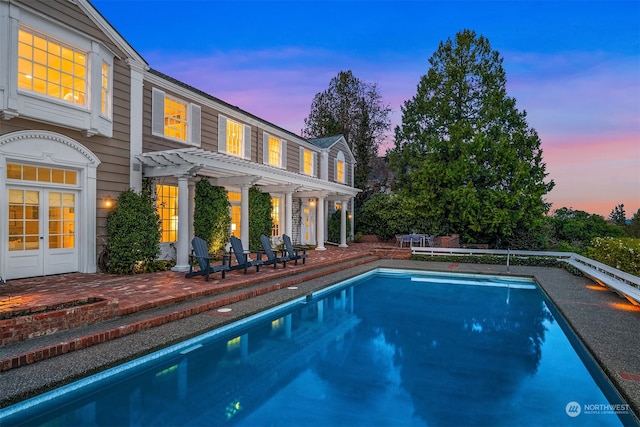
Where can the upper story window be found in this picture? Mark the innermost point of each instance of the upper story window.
(274, 151)
(340, 173)
(105, 93)
(51, 68)
(175, 119)
(234, 138)
(55, 74)
(307, 162)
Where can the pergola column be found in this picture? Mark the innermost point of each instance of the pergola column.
(320, 223)
(182, 245)
(288, 213)
(343, 224)
(244, 216)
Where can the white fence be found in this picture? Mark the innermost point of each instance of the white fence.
(618, 281)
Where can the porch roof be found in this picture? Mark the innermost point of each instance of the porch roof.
(234, 171)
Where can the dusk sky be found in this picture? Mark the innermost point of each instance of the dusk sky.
(573, 66)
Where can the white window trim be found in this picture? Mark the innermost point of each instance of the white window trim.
(194, 119)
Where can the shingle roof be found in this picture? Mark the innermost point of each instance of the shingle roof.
(325, 142)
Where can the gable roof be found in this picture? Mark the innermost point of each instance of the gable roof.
(326, 142)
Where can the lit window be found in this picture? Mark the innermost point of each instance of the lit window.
(274, 151)
(307, 162)
(50, 68)
(175, 118)
(41, 174)
(167, 206)
(236, 213)
(234, 138)
(340, 171)
(275, 216)
(105, 95)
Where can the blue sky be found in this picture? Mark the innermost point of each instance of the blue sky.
(573, 66)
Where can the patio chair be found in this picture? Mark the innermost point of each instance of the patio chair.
(406, 238)
(272, 257)
(243, 262)
(200, 252)
(294, 252)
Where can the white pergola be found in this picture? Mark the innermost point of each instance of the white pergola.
(229, 171)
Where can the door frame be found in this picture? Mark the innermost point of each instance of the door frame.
(50, 149)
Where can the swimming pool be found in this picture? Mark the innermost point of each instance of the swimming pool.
(386, 348)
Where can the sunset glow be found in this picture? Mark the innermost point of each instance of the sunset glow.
(574, 67)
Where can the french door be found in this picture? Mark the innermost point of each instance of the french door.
(41, 231)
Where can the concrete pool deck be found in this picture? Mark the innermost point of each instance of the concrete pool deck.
(607, 324)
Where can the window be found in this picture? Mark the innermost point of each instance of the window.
(61, 220)
(51, 68)
(105, 93)
(274, 151)
(167, 207)
(275, 216)
(41, 174)
(175, 119)
(307, 162)
(339, 167)
(236, 212)
(234, 138)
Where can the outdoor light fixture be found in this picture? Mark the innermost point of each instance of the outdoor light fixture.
(108, 202)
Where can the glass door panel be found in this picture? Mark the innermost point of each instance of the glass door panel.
(61, 220)
(24, 220)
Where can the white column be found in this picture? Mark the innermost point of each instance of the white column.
(343, 224)
(244, 216)
(182, 245)
(288, 216)
(320, 224)
(135, 127)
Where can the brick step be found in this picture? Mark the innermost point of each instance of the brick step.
(142, 320)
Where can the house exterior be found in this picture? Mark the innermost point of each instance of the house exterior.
(83, 118)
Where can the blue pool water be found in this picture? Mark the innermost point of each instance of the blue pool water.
(389, 348)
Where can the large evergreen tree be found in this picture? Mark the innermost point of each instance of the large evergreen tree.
(466, 152)
(354, 109)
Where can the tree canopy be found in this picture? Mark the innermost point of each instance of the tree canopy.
(465, 152)
(355, 110)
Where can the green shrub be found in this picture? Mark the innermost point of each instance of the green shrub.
(621, 253)
(260, 220)
(133, 234)
(211, 216)
(334, 227)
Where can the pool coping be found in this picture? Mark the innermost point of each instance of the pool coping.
(608, 332)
